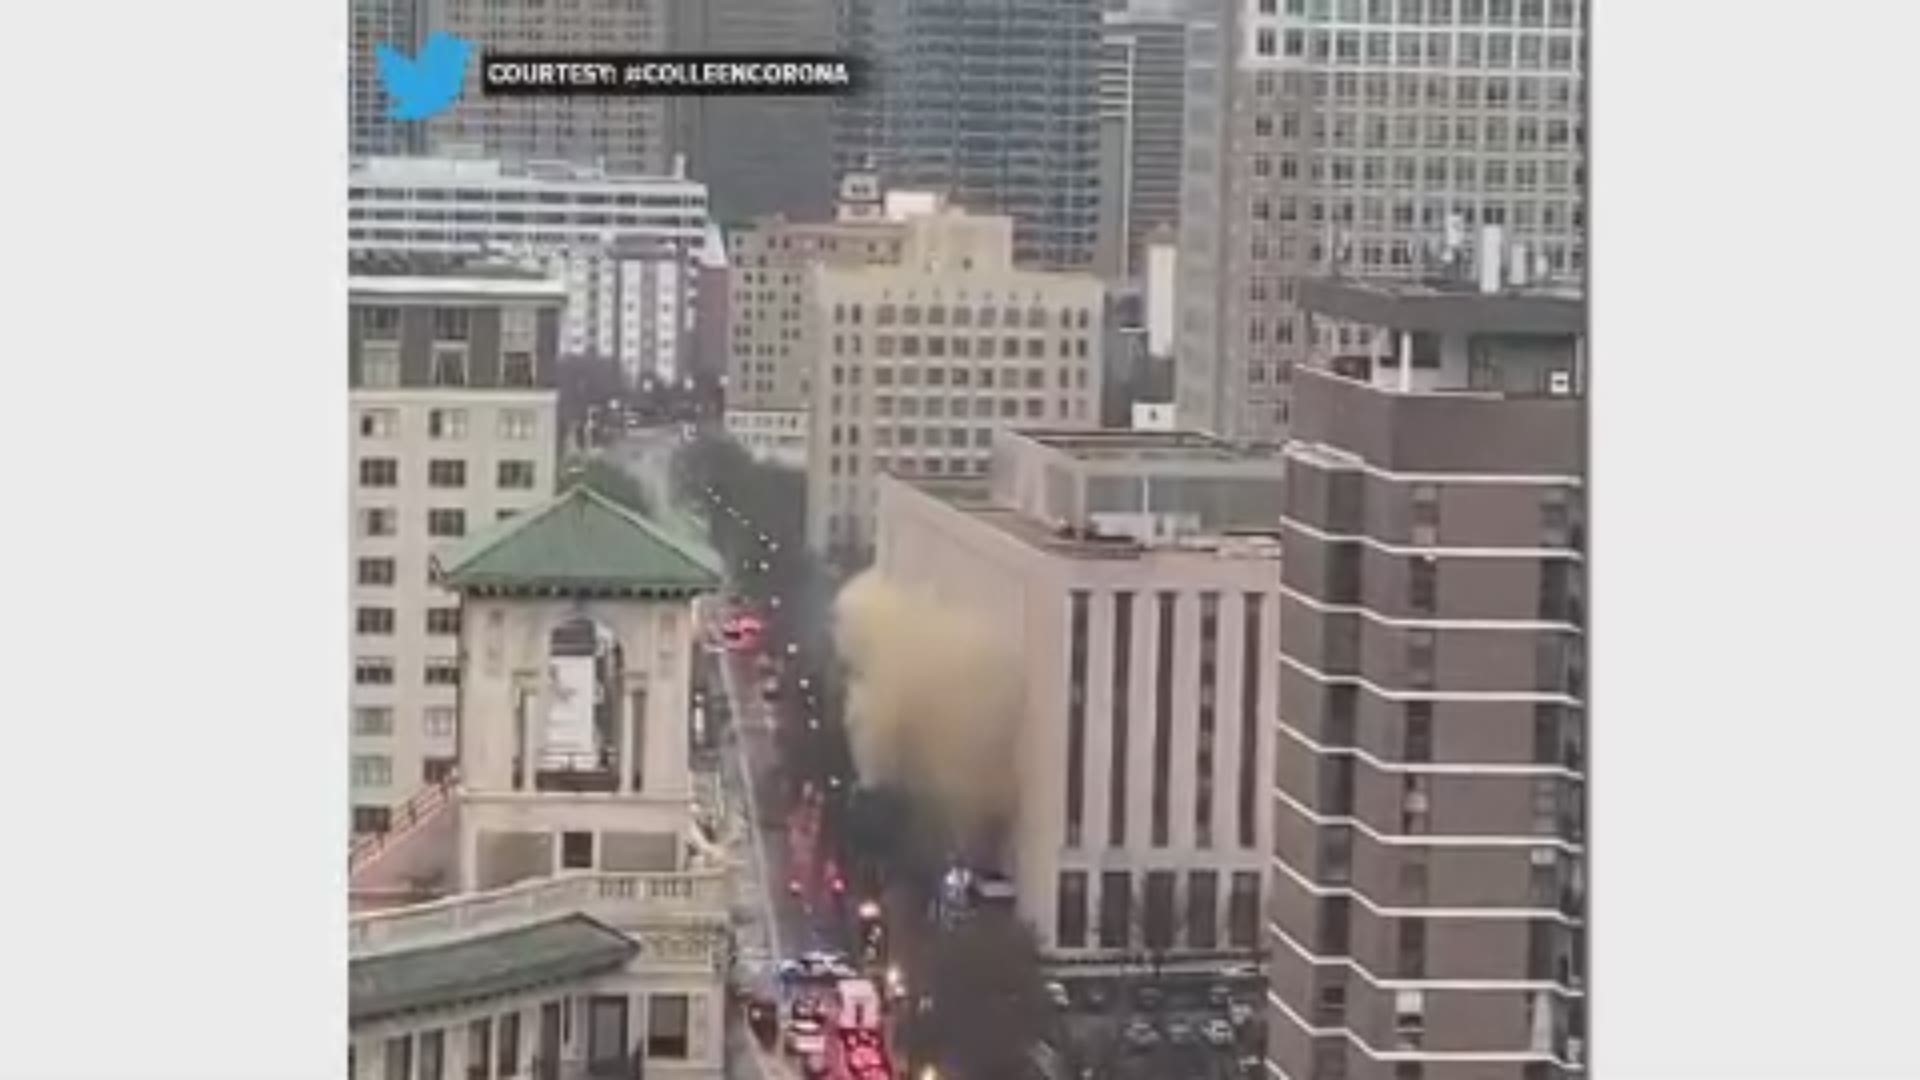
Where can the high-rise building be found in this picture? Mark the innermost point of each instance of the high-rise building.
(1356, 134)
(1136, 577)
(623, 135)
(758, 155)
(1428, 914)
(452, 376)
(769, 371)
(1143, 58)
(625, 246)
(371, 24)
(992, 103)
(916, 364)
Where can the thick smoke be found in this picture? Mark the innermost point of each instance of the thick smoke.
(933, 703)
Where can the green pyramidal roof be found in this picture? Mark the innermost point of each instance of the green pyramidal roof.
(579, 542)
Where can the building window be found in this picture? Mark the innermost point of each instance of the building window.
(1204, 741)
(399, 1053)
(607, 1035)
(1423, 574)
(1157, 921)
(576, 851)
(372, 771)
(379, 368)
(438, 721)
(379, 423)
(447, 424)
(443, 620)
(1116, 909)
(1122, 698)
(373, 720)
(1076, 714)
(1419, 731)
(447, 473)
(1420, 658)
(515, 474)
(518, 425)
(379, 472)
(442, 671)
(516, 369)
(668, 1026)
(1070, 920)
(450, 324)
(381, 323)
(1163, 719)
(449, 366)
(446, 523)
(373, 620)
(371, 819)
(373, 671)
(1250, 666)
(375, 572)
(1243, 910)
(1203, 909)
(379, 521)
(436, 770)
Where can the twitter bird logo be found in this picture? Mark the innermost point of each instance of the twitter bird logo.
(428, 84)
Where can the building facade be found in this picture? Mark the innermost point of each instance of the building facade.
(759, 155)
(768, 367)
(1143, 57)
(1367, 136)
(1108, 562)
(584, 927)
(627, 248)
(371, 24)
(992, 103)
(626, 136)
(1428, 897)
(918, 363)
(452, 400)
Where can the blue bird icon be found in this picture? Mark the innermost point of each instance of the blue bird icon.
(427, 84)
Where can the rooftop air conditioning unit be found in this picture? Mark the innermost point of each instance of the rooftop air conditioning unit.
(1560, 383)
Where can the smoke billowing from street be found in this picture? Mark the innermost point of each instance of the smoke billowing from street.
(933, 703)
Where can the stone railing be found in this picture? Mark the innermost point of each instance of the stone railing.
(624, 901)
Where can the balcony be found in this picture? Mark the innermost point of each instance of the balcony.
(617, 899)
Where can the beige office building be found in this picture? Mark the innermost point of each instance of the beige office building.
(917, 364)
(452, 397)
(1137, 575)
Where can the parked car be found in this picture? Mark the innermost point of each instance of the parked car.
(1180, 1032)
(1148, 997)
(1219, 995)
(1240, 1013)
(1057, 993)
(1218, 1032)
(1140, 1034)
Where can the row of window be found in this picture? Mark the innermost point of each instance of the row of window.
(1033, 318)
(1551, 52)
(436, 721)
(885, 346)
(379, 671)
(451, 367)
(375, 771)
(513, 474)
(1010, 378)
(381, 522)
(1558, 256)
(379, 621)
(497, 1048)
(1356, 131)
(512, 425)
(1153, 917)
(1556, 13)
(1308, 95)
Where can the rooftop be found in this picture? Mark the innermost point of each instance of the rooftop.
(482, 171)
(579, 542)
(1134, 444)
(971, 497)
(570, 947)
(1442, 306)
(467, 285)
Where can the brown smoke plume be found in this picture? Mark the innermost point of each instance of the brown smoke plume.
(933, 702)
